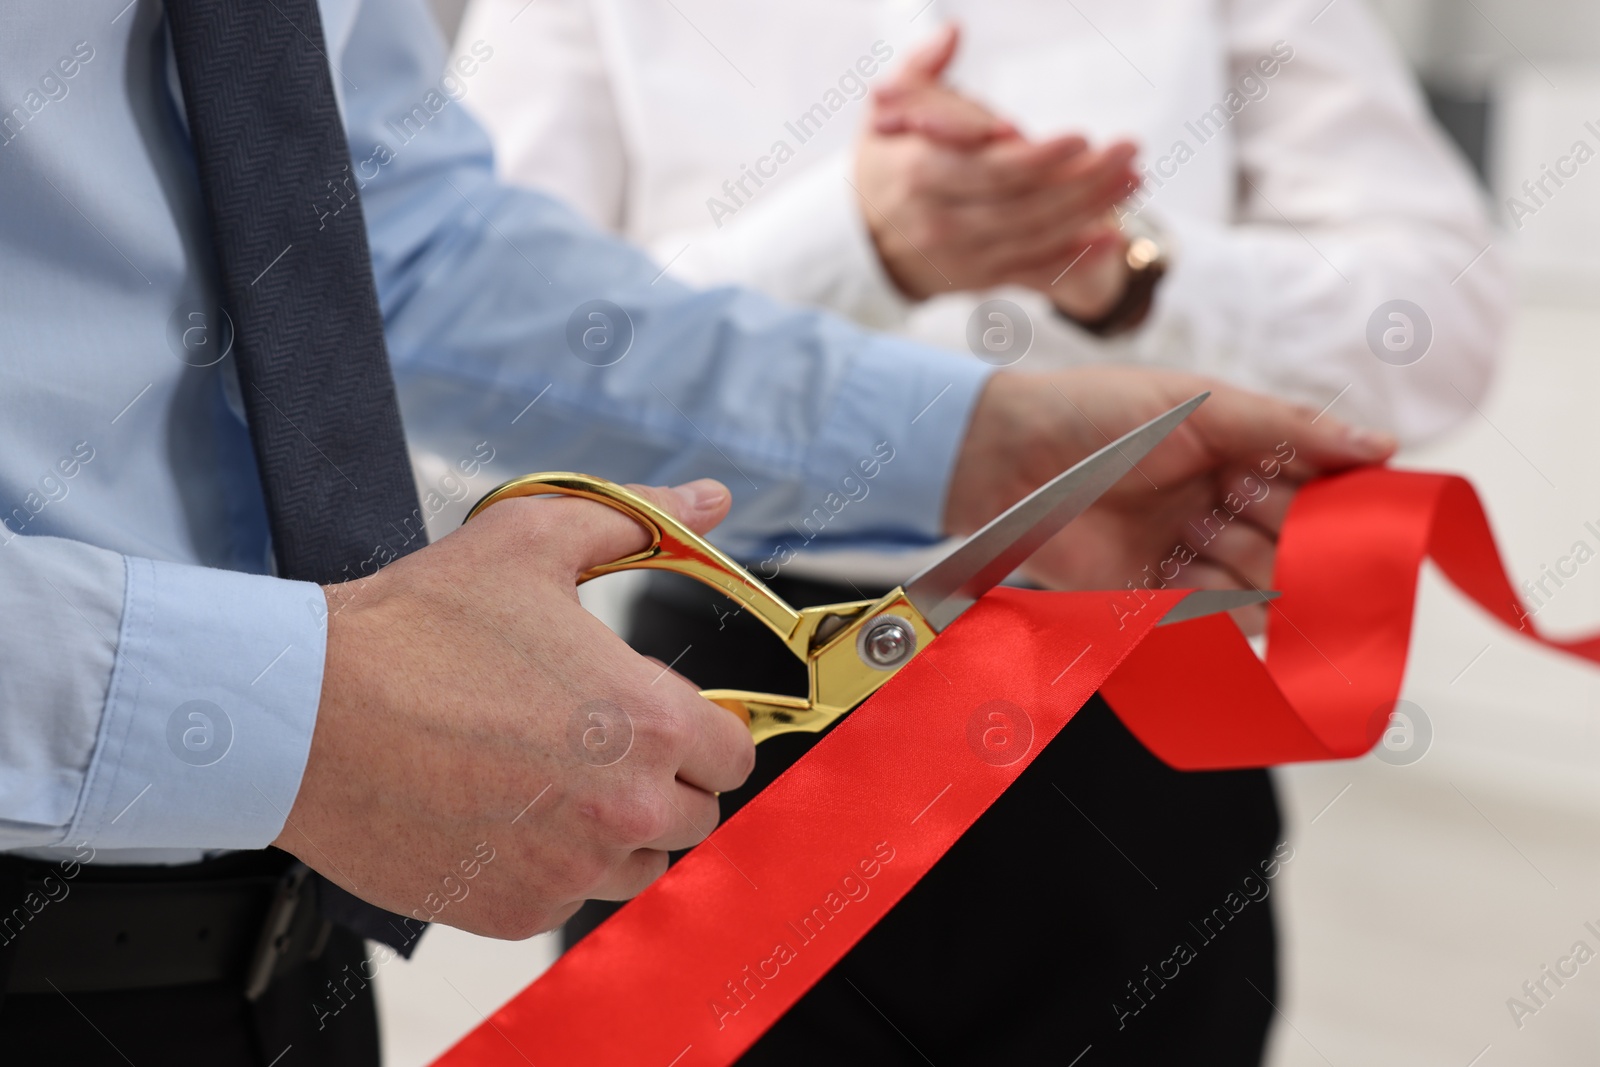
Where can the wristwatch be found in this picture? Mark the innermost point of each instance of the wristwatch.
(1147, 263)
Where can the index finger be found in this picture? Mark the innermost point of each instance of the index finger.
(1242, 428)
(1012, 166)
(943, 116)
(718, 753)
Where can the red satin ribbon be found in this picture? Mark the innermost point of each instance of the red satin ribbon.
(698, 966)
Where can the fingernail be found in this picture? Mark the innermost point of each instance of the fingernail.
(1370, 443)
(702, 495)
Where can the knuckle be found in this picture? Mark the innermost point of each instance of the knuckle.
(517, 520)
(635, 815)
(697, 827)
(649, 866)
(574, 873)
(663, 728)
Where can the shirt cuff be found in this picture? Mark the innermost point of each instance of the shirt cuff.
(210, 711)
(901, 413)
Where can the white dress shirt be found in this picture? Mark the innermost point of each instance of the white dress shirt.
(1319, 193)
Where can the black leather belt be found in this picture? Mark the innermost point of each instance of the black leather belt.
(242, 918)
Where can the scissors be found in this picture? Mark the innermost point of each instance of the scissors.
(852, 649)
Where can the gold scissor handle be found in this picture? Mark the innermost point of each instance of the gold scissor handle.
(824, 638)
(768, 714)
(673, 546)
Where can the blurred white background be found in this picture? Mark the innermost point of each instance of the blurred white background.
(1421, 897)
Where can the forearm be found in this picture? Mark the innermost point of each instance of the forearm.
(781, 404)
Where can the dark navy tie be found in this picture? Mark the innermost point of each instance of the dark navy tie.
(296, 279)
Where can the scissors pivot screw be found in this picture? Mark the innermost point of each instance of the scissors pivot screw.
(886, 642)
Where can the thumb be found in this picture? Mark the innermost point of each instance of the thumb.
(699, 504)
(928, 62)
(606, 534)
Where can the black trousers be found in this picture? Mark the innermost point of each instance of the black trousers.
(209, 1025)
(1050, 928)
(317, 1013)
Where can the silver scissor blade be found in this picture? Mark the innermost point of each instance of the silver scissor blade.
(942, 591)
(1203, 602)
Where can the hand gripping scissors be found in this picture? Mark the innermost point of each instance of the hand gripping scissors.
(852, 649)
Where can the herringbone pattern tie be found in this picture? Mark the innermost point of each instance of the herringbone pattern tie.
(296, 278)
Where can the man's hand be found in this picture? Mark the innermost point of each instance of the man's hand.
(471, 708)
(1201, 511)
(956, 199)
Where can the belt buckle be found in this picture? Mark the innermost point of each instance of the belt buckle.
(276, 930)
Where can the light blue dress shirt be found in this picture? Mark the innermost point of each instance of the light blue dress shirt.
(158, 687)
